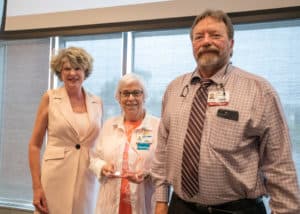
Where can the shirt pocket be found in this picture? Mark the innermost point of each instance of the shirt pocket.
(54, 153)
(225, 135)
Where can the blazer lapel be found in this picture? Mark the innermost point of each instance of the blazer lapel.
(93, 109)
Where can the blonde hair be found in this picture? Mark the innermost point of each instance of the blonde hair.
(77, 57)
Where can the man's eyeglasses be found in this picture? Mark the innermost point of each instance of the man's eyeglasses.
(135, 93)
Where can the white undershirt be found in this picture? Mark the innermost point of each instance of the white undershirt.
(82, 123)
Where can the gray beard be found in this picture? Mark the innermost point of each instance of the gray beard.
(210, 64)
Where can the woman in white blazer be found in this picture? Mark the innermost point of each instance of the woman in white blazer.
(124, 153)
(72, 119)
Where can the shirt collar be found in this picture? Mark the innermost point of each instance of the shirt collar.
(146, 123)
(217, 78)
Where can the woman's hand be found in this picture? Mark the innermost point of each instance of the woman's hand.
(136, 177)
(39, 201)
(108, 170)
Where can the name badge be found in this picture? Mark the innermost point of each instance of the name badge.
(228, 114)
(144, 140)
(143, 145)
(218, 98)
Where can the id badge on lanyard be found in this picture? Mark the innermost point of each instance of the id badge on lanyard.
(218, 98)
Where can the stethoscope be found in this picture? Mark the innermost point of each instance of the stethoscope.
(193, 81)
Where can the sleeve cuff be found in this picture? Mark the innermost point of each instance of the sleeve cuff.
(162, 194)
(96, 166)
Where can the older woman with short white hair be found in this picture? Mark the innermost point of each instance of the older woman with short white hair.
(124, 153)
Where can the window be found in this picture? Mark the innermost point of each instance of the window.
(267, 49)
(106, 51)
(24, 78)
(159, 57)
(271, 50)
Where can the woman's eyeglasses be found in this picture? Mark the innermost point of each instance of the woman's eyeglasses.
(135, 93)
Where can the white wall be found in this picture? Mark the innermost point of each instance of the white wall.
(36, 14)
(17, 7)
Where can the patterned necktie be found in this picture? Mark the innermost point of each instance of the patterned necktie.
(191, 148)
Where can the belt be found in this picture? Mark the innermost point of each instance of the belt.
(236, 205)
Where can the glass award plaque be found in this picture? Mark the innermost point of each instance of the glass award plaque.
(127, 161)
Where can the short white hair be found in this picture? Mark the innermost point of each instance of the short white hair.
(128, 79)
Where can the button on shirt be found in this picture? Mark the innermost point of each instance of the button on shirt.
(234, 155)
